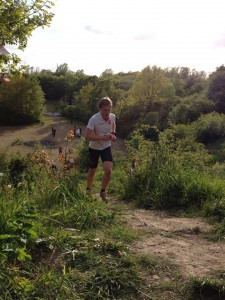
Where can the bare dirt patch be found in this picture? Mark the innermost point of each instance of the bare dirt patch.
(24, 138)
(181, 240)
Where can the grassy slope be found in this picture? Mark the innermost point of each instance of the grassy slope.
(98, 264)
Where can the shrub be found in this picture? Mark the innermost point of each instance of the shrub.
(190, 109)
(179, 132)
(210, 127)
(148, 132)
(170, 176)
(83, 156)
(21, 102)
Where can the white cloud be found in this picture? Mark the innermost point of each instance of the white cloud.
(94, 35)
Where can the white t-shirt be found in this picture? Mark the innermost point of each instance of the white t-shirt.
(101, 127)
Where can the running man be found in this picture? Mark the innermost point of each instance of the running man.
(100, 132)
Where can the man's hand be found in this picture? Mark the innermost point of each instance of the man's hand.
(106, 137)
(113, 137)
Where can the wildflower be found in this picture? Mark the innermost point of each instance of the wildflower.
(1, 174)
(9, 186)
(70, 135)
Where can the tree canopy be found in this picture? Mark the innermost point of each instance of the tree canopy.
(21, 101)
(18, 19)
(216, 88)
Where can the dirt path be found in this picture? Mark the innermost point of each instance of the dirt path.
(181, 240)
(24, 138)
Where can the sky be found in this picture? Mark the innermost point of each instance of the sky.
(127, 36)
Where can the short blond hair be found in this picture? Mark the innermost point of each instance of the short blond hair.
(104, 102)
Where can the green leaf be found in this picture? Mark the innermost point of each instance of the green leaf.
(22, 255)
(7, 236)
(33, 233)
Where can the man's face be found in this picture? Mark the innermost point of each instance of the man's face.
(105, 111)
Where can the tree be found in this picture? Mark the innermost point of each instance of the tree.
(62, 70)
(84, 100)
(104, 86)
(174, 75)
(21, 101)
(190, 109)
(150, 88)
(216, 88)
(52, 86)
(124, 81)
(210, 127)
(107, 72)
(151, 95)
(74, 82)
(18, 19)
(185, 81)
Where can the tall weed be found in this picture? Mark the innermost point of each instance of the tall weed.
(170, 175)
(18, 228)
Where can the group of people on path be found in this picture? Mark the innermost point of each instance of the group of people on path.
(76, 132)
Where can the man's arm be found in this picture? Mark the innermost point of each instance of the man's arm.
(90, 135)
(114, 128)
(113, 133)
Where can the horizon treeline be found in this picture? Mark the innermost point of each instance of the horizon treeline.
(154, 97)
(163, 98)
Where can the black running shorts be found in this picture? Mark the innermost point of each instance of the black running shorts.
(105, 154)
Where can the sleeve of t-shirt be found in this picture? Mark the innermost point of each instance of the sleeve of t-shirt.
(113, 118)
(91, 123)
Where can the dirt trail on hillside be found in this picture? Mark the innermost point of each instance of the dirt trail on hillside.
(181, 240)
(24, 138)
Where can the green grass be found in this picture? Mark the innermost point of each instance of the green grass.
(208, 289)
(51, 106)
(57, 243)
(217, 151)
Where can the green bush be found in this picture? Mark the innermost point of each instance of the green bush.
(83, 156)
(149, 132)
(215, 209)
(210, 127)
(176, 132)
(21, 102)
(170, 176)
(190, 109)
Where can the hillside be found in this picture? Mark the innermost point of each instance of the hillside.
(182, 241)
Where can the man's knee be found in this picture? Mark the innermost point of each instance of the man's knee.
(108, 168)
(92, 172)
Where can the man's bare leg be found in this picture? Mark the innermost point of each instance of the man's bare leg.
(107, 166)
(90, 177)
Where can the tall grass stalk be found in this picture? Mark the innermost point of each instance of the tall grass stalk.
(163, 179)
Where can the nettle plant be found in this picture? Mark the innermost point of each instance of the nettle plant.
(18, 229)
